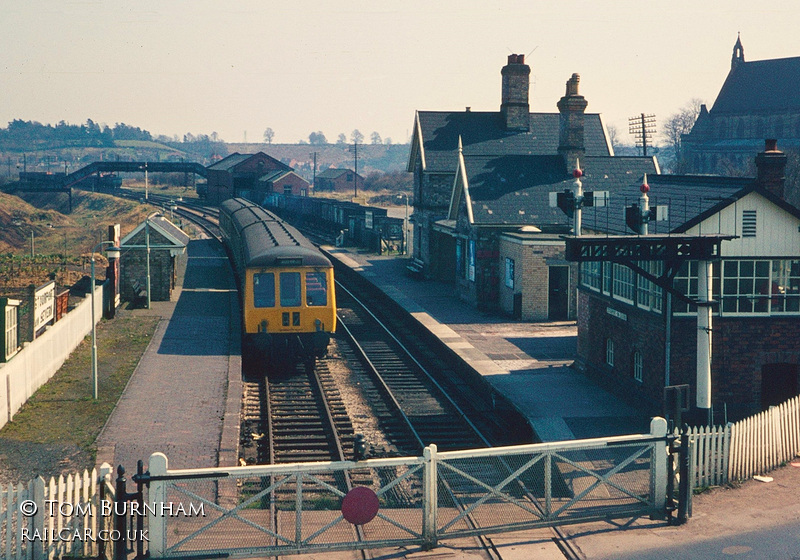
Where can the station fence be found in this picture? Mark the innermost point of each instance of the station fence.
(752, 446)
(280, 509)
(68, 519)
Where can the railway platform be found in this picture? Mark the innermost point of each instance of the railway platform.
(528, 363)
(184, 396)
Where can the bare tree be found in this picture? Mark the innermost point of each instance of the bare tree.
(356, 137)
(341, 139)
(613, 136)
(375, 138)
(269, 134)
(677, 125)
(792, 181)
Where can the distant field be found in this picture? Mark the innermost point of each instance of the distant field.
(145, 144)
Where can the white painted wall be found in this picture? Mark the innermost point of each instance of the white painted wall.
(777, 232)
(38, 361)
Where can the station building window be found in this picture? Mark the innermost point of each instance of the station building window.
(637, 366)
(610, 352)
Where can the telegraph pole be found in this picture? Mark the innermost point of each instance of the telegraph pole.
(355, 177)
(314, 181)
(642, 126)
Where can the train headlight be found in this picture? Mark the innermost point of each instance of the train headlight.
(262, 327)
(318, 324)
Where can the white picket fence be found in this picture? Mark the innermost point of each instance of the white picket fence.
(66, 507)
(749, 447)
(721, 454)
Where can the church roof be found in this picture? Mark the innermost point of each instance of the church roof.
(759, 87)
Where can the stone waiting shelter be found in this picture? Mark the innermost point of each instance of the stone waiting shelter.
(167, 243)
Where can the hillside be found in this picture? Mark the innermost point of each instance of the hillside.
(59, 238)
(371, 157)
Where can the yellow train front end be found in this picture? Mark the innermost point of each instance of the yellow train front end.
(289, 313)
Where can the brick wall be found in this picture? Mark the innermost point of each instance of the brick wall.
(741, 346)
(532, 264)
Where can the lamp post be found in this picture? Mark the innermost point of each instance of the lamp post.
(113, 252)
(405, 225)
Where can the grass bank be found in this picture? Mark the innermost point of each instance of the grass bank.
(54, 432)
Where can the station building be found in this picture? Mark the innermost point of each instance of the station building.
(338, 180)
(636, 339)
(482, 218)
(240, 175)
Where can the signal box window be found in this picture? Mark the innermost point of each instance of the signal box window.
(290, 289)
(316, 289)
(264, 289)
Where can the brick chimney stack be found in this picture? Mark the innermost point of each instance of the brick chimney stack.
(771, 165)
(570, 127)
(516, 81)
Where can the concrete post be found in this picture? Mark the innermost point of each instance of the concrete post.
(36, 490)
(430, 497)
(704, 284)
(658, 483)
(157, 524)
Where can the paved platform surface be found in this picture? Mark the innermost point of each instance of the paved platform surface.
(526, 362)
(177, 401)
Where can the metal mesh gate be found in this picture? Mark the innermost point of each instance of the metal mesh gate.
(284, 509)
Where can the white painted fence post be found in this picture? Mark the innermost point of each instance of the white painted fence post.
(658, 484)
(430, 497)
(157, 524)
(36, 490)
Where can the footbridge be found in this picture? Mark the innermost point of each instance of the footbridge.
(100, 167)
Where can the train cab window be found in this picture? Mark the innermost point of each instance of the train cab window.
(316, 289)
(290, 289)
(264, 289)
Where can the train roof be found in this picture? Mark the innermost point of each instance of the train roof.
(269, 241)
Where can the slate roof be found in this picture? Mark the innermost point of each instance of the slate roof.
(483, 133)
(230, 161)
(277, 175)
(161, 225)
(690, 198)
(333, 173)
(761, 86)
(273, 176)
(515, 189)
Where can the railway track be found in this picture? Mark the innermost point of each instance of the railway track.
(433, 408)
(301, 417)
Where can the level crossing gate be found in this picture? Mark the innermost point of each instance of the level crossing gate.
(304, 507)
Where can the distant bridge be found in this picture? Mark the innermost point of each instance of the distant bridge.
(99, 167)
(56, 182)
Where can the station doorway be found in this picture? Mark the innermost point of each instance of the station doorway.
(779, 383)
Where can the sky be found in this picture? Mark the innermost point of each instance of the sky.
(237, 67)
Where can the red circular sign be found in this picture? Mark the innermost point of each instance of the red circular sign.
(360, 505)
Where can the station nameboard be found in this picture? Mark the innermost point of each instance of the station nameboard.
(44, 305)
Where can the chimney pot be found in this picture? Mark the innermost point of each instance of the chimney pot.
(771, 168)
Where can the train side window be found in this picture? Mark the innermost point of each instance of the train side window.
(290, 289)
(316, 289)
(264, 289)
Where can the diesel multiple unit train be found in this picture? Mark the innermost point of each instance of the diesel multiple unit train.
(285, 284)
